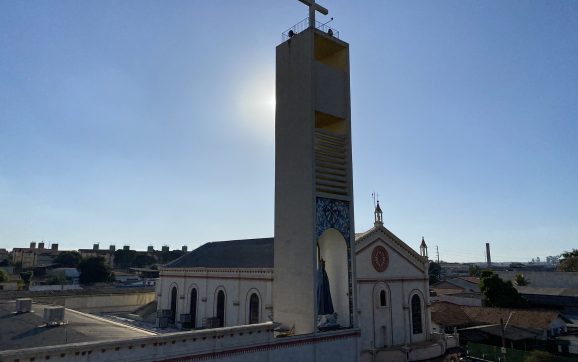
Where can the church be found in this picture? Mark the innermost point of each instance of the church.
(316, 276)
(231, 283)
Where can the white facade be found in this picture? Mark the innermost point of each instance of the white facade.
(237, 286)
(384, 320)
(392, 290)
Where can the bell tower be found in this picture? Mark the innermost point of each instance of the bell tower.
(313, 177)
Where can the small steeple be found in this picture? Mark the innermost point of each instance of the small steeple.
(423, 248)
(378, 215)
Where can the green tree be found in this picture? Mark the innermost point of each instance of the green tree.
(94, 270)
(435, 271)
(168, 256)
(56, 278)
(3, 276)
(569, 261)
(520, 280)
(5, 262)
(143, 260)
(498, 293)
(26, 277)
(474, 270)
(68, 259)
(569, 254)
(124, 258)
(569, 264)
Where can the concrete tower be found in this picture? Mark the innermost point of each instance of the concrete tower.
(313, 176)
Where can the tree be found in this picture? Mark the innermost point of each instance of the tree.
(168, 256)
(520, 280)
(5, 262)
(569, 264)
(56, 278)
(124, 258)
(3, 276)
(474, 270)
(569, 254)
(26, 277)
(569, 261)
(143, 260)
(68, 259)
(498, 293)
(435, 271)
(554, 259)
(94, 270)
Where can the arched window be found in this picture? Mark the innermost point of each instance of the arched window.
(221, 308)
(254, 309)
(416, 315)
(194, 308)
(173, 304)
(382, 300)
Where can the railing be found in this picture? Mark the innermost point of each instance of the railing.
(304, 25)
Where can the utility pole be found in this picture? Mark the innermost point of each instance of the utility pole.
(503, 338)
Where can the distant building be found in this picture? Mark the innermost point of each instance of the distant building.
(33, 256)
(107, 254)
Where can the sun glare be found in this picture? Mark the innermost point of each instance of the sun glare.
(256, 106)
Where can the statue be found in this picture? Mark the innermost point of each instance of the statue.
(326, 316)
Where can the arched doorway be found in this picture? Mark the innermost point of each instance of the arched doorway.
(193, 309)
(254, 309)
(221, 308)
(173, 304)
(332, 248)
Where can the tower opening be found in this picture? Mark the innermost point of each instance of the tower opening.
(332, 249)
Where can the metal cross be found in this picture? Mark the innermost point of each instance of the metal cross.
(313, 7)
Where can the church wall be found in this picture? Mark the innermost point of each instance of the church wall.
(245, 343)
(404, 276)
(237, 285)
(400, 264)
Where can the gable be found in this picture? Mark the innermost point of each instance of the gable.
(402, 261)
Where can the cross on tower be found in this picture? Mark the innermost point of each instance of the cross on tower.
(313, 7)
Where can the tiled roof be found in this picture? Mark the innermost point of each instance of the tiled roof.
(249, 253)
(523, 318)
(462, 283)
(449, 314)
(473, 280)
(563, 292)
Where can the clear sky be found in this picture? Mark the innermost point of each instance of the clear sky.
(152, 122)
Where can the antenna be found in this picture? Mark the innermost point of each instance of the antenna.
(373, 197)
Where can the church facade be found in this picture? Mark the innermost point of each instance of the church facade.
(230, 283)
